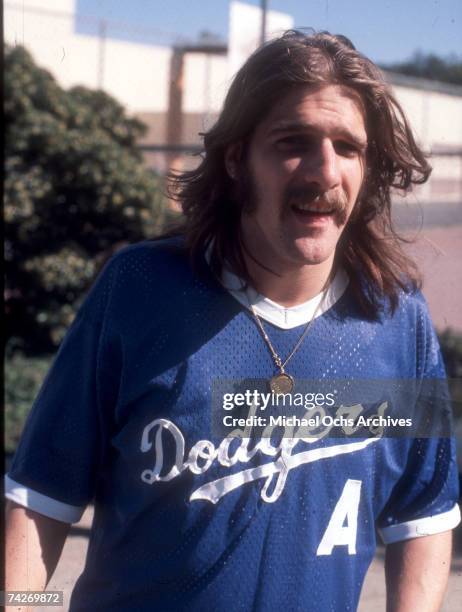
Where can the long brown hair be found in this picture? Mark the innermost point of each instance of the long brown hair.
(370, 249)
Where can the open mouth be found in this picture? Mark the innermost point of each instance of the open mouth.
(312, 212)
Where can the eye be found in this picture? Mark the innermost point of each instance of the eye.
(295, 143)
(346, 148)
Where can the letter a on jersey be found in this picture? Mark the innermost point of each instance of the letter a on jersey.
(343, 524)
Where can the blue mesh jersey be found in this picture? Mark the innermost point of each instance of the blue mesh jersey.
(185, 520)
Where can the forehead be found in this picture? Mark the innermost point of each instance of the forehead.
(327, 108)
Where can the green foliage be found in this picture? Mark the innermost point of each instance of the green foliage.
(23, 377)
(451, 346)
(430, 66)
(75, 189)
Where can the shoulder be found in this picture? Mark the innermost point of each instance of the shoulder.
(412, 303)
(411, 317)
(409, 307)
(164, 251)
(407, 329)
(153, 279)
(154, 267)
(151, 261)
(414, 319)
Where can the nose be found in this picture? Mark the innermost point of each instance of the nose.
(322, 166)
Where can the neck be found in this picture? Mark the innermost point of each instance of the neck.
(292, 285)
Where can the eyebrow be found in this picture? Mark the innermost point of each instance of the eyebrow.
(292, 126)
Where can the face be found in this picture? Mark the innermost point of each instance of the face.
(305, 167)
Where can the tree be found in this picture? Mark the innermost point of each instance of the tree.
(75, 188)
(430, 66)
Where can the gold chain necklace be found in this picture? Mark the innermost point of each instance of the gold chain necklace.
(282, 382)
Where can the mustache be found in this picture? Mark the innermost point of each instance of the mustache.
(334, 200)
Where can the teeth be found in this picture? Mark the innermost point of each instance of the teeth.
(308, 208)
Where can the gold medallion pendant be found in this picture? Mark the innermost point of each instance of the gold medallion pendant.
(282, 383)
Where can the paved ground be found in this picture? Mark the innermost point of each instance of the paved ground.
(437, 248)
(438, 252)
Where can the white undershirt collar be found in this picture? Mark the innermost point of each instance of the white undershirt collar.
(285, 318)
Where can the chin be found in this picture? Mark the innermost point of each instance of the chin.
(312, 254)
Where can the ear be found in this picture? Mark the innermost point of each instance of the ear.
(233, 155)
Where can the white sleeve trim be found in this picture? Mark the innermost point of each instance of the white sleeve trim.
(27, 497)
(418, 528)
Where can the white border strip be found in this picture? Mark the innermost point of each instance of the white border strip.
(421, 527)
(24, 496)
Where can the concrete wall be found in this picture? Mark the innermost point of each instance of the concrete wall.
(436, 119)
(136, 74)
(205, 82)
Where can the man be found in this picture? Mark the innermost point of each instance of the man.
(286, 269)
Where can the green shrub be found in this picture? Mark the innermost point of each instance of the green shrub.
(23, 378)
(76, 188)
(451, 346)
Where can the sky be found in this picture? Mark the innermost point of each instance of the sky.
(386, 31)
